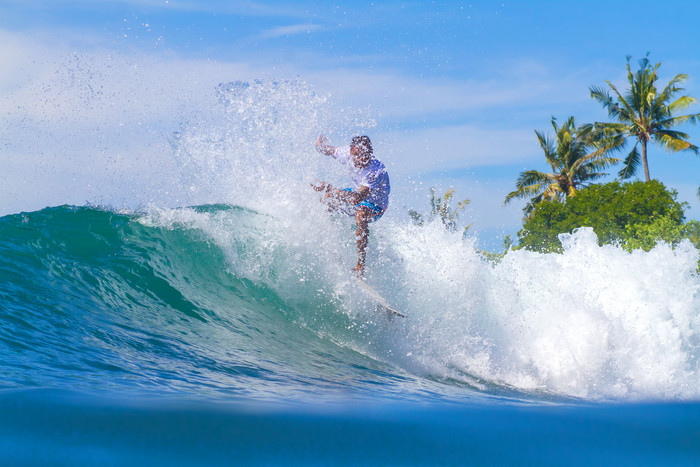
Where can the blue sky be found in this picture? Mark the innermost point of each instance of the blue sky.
(456, 88)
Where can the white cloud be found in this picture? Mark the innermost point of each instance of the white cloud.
(290, 30)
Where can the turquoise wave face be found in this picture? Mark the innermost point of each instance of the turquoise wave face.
(97, 300)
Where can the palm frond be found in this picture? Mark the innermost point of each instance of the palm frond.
(680, 104)
(624, 113)
(671, 142)
(547, 146)
(552, 193)
(680, 120)
(531, 190)
(603, 97)
(530, 183)
(609, 129)
(670, 133)
(598, 162)
(631, 164)
(592, 176)
(532, 177)
(672, 87)
(462, 204)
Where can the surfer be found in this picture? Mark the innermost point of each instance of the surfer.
(369, 198)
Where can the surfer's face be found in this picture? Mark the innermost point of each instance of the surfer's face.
(360, 156)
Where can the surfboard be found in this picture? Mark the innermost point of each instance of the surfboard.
(381, 302)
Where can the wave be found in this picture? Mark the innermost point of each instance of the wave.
(221, 299)
(99, 299)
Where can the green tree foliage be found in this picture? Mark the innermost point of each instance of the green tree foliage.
(636, 215)
(643, 113)
(440, 208)
(645, 236)
(576, 157)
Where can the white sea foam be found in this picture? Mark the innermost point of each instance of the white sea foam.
(593, 322)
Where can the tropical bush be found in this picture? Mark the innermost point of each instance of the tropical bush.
(633, 215)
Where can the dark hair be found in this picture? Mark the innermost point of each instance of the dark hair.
(362, 141)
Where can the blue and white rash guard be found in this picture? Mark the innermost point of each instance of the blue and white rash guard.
(374, 177)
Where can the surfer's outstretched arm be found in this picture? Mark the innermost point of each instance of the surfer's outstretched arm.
(323, 147)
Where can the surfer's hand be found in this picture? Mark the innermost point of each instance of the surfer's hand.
(319, 185)
(323, 147)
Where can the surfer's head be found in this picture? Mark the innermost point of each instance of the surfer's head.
(361, 150)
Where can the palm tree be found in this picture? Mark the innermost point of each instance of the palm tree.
(440, 207)
(576, 157)
(645, 114)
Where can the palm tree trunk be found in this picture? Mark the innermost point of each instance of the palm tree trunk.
(644, 159)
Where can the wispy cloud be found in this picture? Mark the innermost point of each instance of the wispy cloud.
(290, 30)
(247, 8)
(403, 97)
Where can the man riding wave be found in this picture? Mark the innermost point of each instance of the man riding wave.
(369, 198)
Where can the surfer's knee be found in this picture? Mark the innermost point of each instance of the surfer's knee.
(363, 215)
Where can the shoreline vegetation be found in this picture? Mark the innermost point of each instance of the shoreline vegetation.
(631, 214)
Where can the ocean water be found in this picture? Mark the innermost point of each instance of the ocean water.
(230, 331)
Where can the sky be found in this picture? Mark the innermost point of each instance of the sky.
(455, 90)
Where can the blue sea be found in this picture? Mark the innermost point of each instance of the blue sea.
(231, 332)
